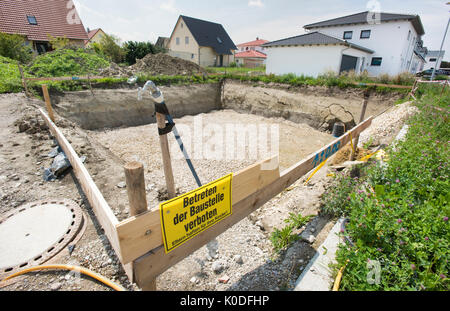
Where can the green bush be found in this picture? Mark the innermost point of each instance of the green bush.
(398, 214)
(10, 80)
(67, 62)
(14, 47)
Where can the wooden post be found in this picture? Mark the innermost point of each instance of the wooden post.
(361, 119)
(134, 176)
(24, 81)
(170, 183)
(48, 103)
(414, 89)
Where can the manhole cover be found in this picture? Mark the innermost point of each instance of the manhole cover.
(35, 232)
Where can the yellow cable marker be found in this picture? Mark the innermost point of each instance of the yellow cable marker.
(367, 157)
(88, 272)
(315, 171)
(351, 142)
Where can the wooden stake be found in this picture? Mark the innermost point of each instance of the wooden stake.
(24, 81)
(361, 119)
(48, 103)
(168, 173)
(134, 175)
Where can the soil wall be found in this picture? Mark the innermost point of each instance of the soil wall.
(120, 107)
(319, 107)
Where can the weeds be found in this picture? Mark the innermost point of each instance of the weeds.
(282, 238)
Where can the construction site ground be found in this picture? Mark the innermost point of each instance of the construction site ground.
(242, 258)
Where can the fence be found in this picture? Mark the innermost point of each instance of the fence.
(138, 240)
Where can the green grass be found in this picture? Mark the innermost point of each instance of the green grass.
(284, 237)
(78, 62)
(399, 212)
(234, 70)
(10, 80)
(67, 62)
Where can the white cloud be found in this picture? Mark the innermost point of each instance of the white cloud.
(169, 6)
(257, 3)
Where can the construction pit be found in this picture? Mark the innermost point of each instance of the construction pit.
(110, 127)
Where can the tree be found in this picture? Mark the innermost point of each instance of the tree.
(110, 47)
(15, 47)
(137, 50)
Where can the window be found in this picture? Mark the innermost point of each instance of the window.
(365, 34)
(32, 19)
(433, 59)
(178, 41)
(409, 35)
(186, 40)
(182, 25)
(376, 61)
(192, 56)
(219, 40)
(348, 35)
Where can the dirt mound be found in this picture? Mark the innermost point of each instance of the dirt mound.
(116, 71)
(167, 65)
(31, 123)
(155, 64)
(343, 155)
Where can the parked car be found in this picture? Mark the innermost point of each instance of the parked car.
(429, 72)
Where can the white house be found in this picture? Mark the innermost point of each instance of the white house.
(202, 42)
(433, 61)
(389, 44)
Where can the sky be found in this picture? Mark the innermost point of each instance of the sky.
(244, 20)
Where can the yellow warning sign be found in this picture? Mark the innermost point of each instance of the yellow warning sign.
(184, 217)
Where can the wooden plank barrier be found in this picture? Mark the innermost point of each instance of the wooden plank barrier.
(102, 210)
(48, 103)
(149, 266)
(140, 234)
(137, 240)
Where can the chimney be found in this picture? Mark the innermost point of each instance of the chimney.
(88, 30)
(257, 38)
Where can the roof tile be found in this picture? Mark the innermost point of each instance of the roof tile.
(250, 54)
(54, 17)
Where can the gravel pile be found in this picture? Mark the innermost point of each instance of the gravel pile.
(385, 126)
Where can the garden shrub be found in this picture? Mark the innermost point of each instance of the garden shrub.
(398, 213)
(67, 62)
(15, 47)
(10, 80)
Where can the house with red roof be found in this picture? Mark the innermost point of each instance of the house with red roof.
(251, 54)
(39, 20)
(95, 36)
